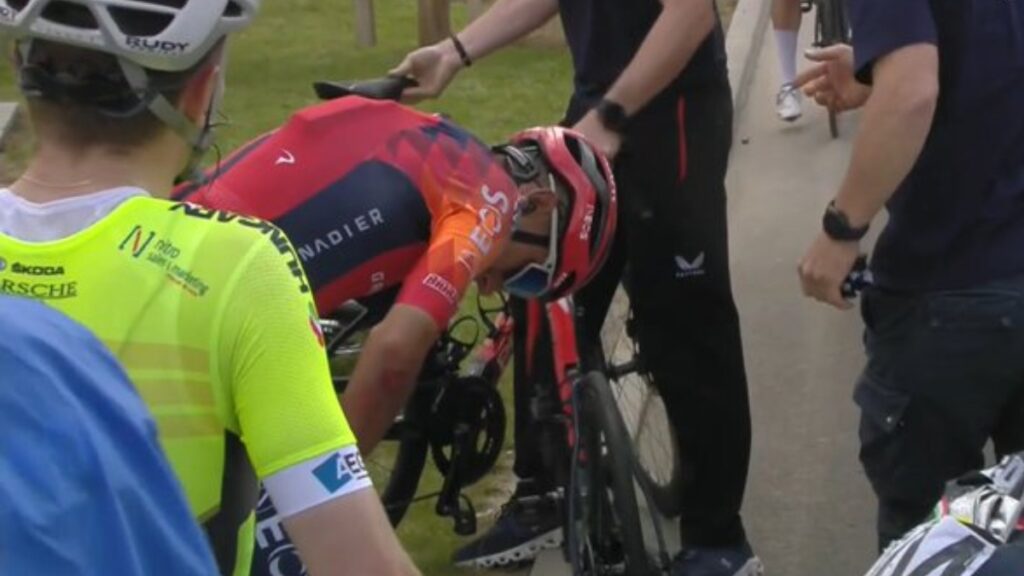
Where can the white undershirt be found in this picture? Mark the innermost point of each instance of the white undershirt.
(50, 221)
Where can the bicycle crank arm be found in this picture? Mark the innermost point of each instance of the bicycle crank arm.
(451, 502)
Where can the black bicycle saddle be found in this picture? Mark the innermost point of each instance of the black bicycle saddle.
(386, 88)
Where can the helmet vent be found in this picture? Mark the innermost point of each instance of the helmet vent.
(233, 10)
(71, 15)
(179, 4)
(134, 22)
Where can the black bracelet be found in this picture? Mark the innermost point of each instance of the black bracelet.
(462, 51)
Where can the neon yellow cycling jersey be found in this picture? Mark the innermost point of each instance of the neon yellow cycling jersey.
(212, 318)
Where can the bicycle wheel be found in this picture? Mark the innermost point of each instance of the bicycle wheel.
(648, 425)
(653, 439)
(604, 533)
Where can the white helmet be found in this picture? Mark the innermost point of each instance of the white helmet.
(144, 35)
(164, 35)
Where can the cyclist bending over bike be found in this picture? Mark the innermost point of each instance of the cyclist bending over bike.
(382, 199)
(210, 314)
(404, 210)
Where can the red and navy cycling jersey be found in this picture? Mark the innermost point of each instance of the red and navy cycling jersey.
(373, 195)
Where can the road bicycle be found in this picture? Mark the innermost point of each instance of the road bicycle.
(831, 26)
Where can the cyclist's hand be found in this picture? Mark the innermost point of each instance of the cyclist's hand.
(825, 267)
(433, 67)
(831, 82)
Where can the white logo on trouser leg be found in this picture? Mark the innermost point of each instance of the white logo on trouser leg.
(687, 269)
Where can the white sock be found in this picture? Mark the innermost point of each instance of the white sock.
(785, 42)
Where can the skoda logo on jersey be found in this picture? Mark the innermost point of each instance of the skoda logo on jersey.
(28, 270)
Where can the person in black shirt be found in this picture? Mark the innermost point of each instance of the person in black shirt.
(941, 144)
(651, 90)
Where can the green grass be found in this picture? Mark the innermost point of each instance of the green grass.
(273, 65)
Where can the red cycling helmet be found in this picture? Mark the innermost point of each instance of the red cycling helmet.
(583, 226)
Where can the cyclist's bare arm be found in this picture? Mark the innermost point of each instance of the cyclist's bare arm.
(387, 371)
(349, 536)
(504, 22)
(392, 358)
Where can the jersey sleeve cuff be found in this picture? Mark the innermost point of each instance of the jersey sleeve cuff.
(312, 482)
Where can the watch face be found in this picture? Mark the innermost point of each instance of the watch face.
(612, 115)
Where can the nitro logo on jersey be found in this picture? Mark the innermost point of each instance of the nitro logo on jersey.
(492, 218)
(162, 254)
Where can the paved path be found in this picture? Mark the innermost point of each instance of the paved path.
(809, 511)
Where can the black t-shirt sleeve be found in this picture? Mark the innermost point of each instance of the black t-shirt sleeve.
(881, 27)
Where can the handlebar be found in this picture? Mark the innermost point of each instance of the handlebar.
(386, 88)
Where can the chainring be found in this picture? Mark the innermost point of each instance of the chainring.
(471, 404)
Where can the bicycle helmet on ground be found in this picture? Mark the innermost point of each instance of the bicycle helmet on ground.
(144, 35)
(583, 224)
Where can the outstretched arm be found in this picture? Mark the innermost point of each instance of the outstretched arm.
(506, 21)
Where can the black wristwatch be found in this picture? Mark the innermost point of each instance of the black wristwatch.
(837, 225)
(612, 115)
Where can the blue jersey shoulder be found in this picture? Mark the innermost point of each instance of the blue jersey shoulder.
(84, 486)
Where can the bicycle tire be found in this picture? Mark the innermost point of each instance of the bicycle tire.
(664, 487)
(604, 521)
(648, 424)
